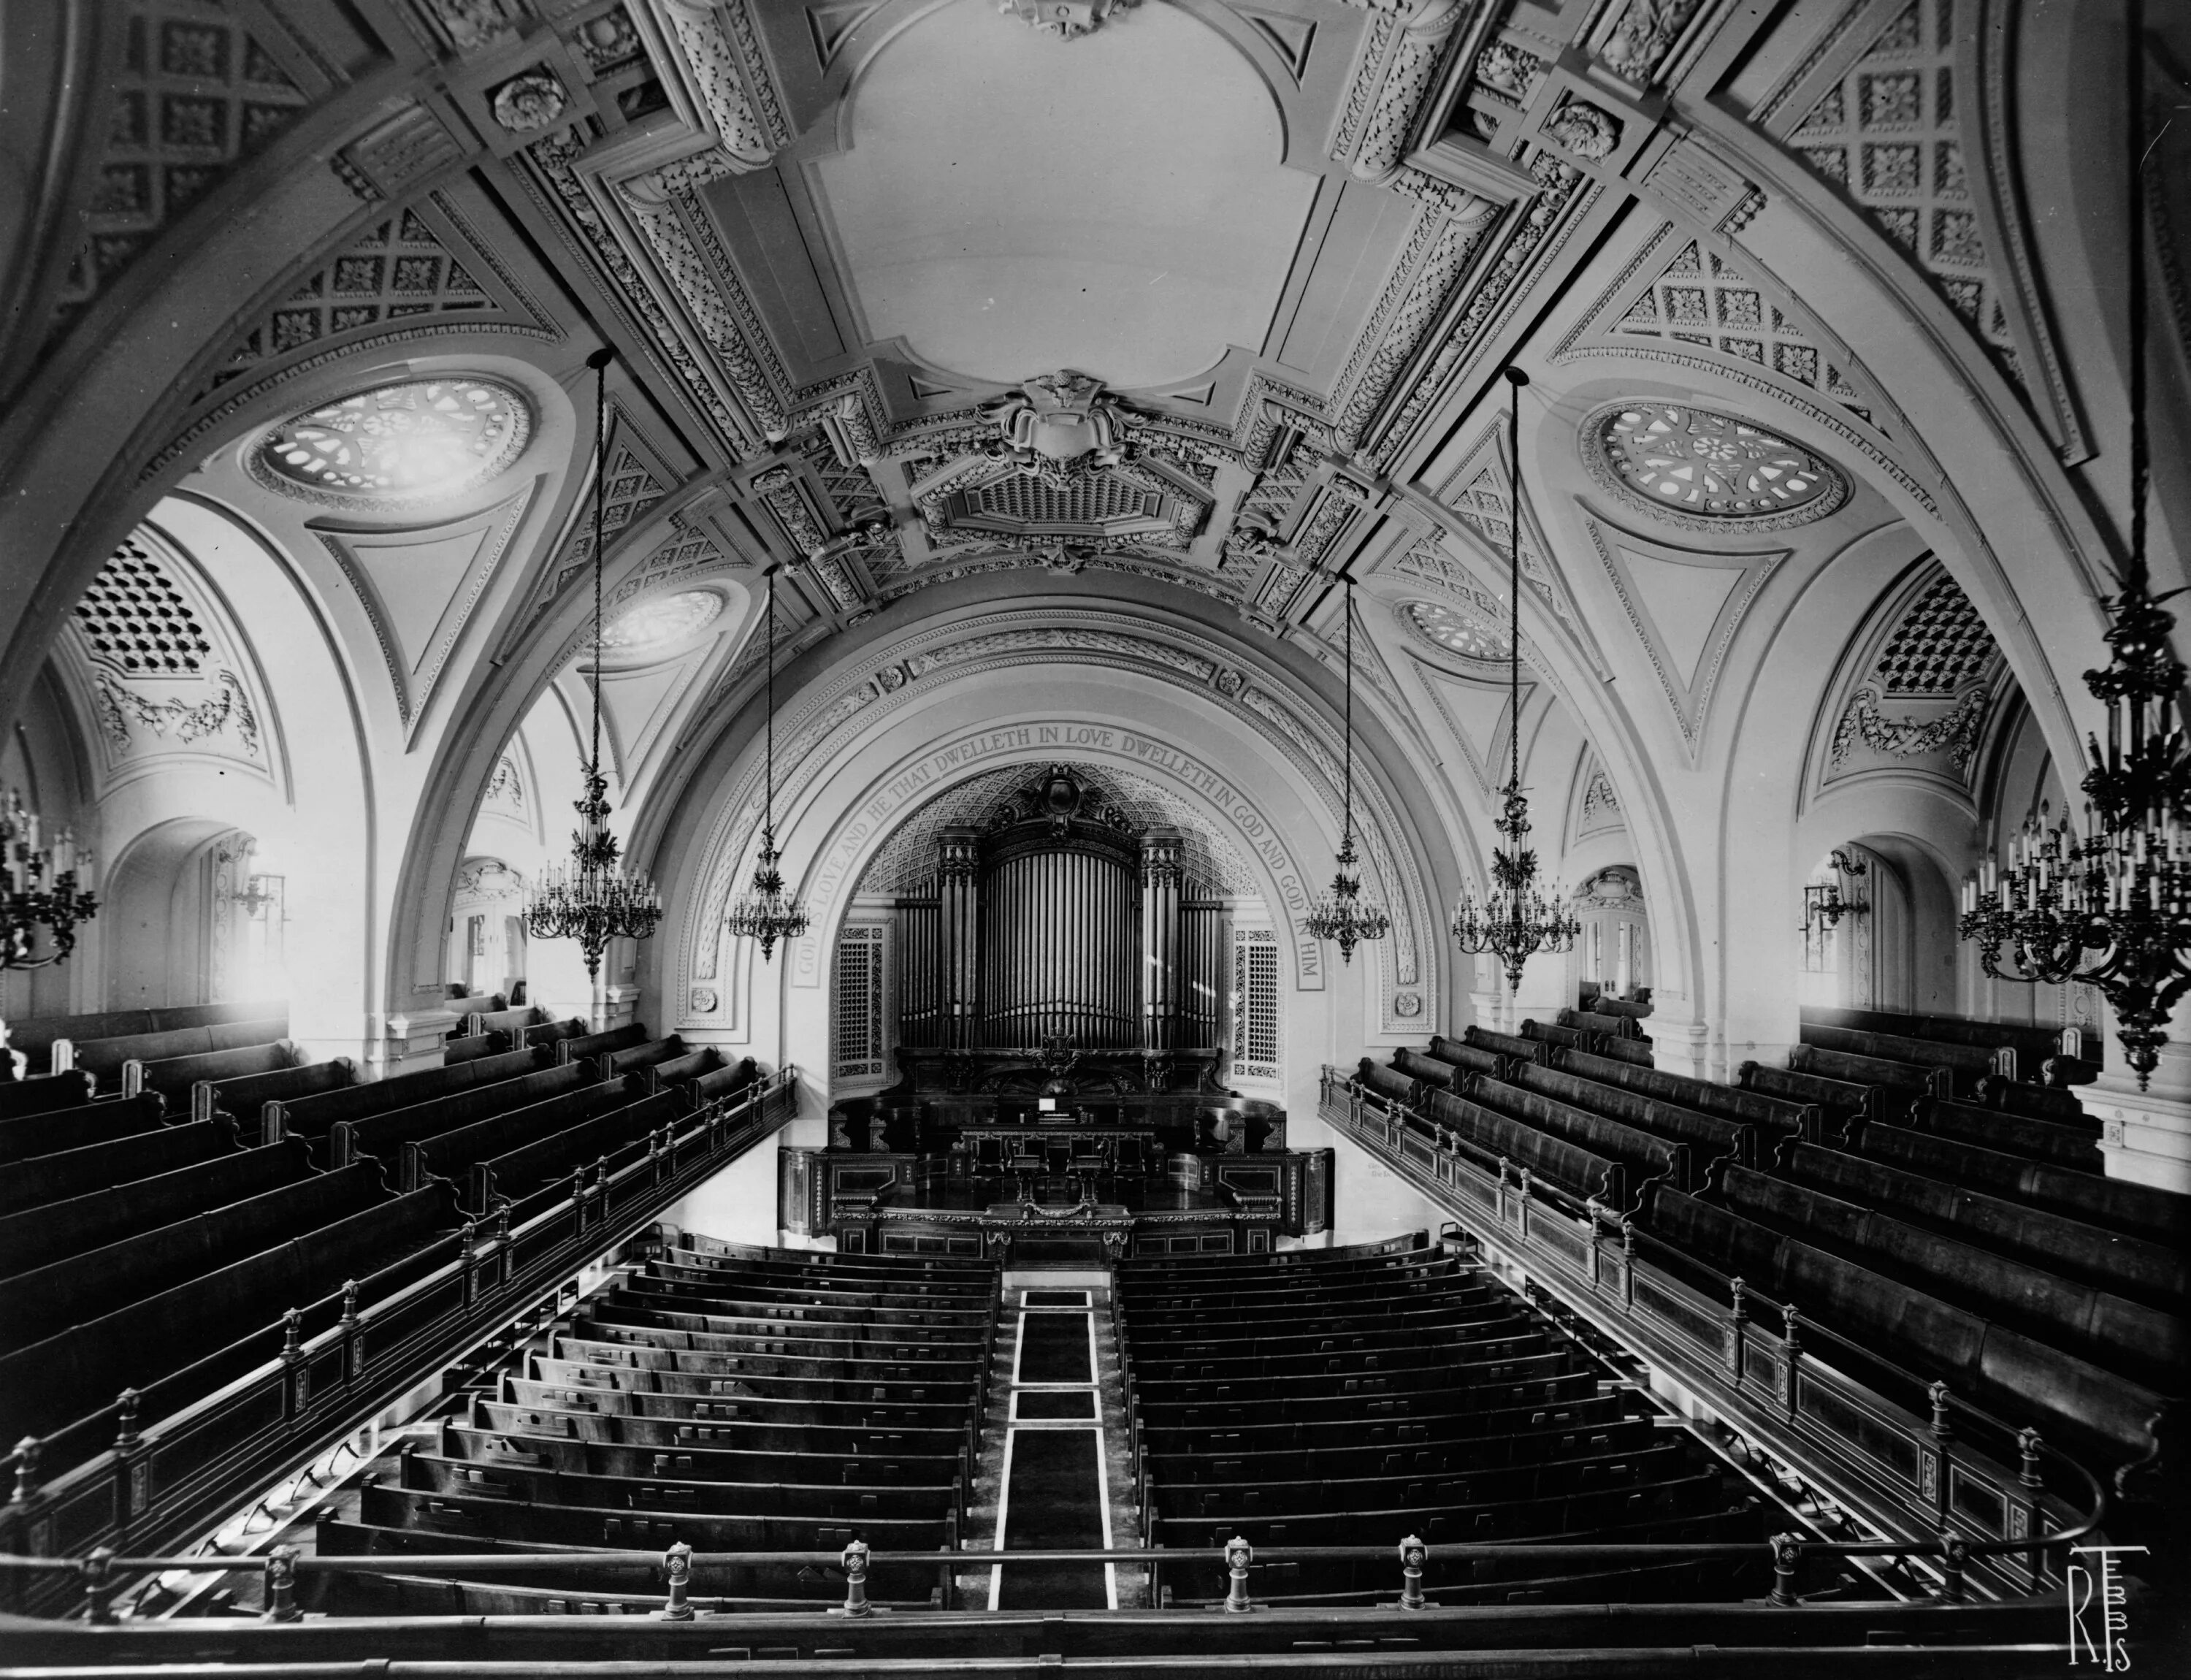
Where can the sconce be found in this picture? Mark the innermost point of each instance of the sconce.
(1823, 907)
(260, 894)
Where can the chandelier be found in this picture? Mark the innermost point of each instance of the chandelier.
(1341, 914)
(46, 892)
(2118, 885)
(592, 898)
(767, 913)
(1519, 918)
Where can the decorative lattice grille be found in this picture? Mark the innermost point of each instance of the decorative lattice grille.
(856, 1034)
(1092, 501)
(133, 616)
(1254, 1003)
(1940, 644)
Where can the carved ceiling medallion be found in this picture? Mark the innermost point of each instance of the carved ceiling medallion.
(1458, 632)
(662, 620)
(409, 441)
(1065, 18)
(1061, 427)
(1701, 469)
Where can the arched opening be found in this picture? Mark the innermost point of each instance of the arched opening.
(1613, 951)
(193, 918)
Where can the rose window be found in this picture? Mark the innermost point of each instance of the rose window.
(1471, 638)
(664, 619)
(400, 443)
(1714, 466)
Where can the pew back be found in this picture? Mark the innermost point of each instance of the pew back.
(383, 1135)
(104, 1058)
(44, 1094)
(68, 1173)
(447, 1152)
(248, 1094)
(74, 1128)
(317, 1115)
(173, 1076)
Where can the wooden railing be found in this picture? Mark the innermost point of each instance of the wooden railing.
(332, 1363)
(1785, 1382)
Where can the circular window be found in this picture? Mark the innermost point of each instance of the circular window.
(1692, 464)
(665, 618)
(1459, 633)
(401, 442)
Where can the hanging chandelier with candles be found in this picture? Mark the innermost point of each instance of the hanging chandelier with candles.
(45, 891)
(2107, 902)
(593, 898)
(767, 913)
(1341, 914)
(1520, 917)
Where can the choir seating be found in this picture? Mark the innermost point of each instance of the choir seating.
(1357, 1396)
(732, 1397)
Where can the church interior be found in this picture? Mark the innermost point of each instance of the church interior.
(821, 848)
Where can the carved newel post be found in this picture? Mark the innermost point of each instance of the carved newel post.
(958, 944)
(1161, 850)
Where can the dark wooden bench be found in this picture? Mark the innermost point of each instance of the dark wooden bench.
(1550, 1035)
(37, 1035)
(57, 1229)
(1503, 1044)
(173, 1077)
(2157, 1273)
(1709, 1135)
(1706, 1097)
(578, 1046)
(1550, 1443)
(246, 1096)
(68, 1173)
(216, 1326)
(474, 1046)
(521, 1170)
(71, 1129)
(2113, 1204)
(873, 1285)
(1647, 1157)
(719, 1332)
(726, 1083)
(552, 1034)
(2012, 1375)
(753, 1422)
(2034, 1102)
(504, 1474)
(385, 1134)
(2032, 1046)
(1467, 1057)
(1267, 1496)
(1562, 1403)
(1604, 1003)
(1608, 1023)
(717, 1250)
(1965, 1064)
(2047, 1140)
(2097, 1324)
(1388, 1083)
(1493, 1137)
(1841, 1102)
(729, 1439)
(317, 1115)
(936, 1400)
(38, 1303)
(481, 1442)
(514, 1021)
(593, 1343)
(44, 1095)
(686, 1069)
(752, 1301)
(443, 1140)
(104, 1058)
(1906, 1080)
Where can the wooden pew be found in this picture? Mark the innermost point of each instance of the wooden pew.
(1493, 1137)
(1966, 1064)
(247, 1096)
(43, 1094)
(518, 1171)
(717, 1250)
(647, 1054)
(889, 1282)
(552, 1034)
(58, 1229)
(1311, 1371)
(1467, 1057)
(1840, 1101)
(624, 1308)
(578, 1373)
(36, 1036)
(505, 1474)
(696, 1353)
(174, 1076)
(2013, 1134)
(317, 1115)
(1647, 1157)
(445, 1139)
(1709, 1135)
(2032, 1045)
(733, 1080)
(1610, 1024)
(103, 1058)
(747, 1440)
(580, 1045)
(1629, 1052)
(1606, 1004)
(514, 1021)
(2096, 1324)
(385, 1134)
(1904, 1081)
(2034, 1102)
(699, 1293)
(1550, 1443)
(750, 1424)
(1333, 1333)
(1729, 1102)
(68, 1129)
(2159, 1275)
(2113, 1204)
(1549, 1037)
(474, 1046)
(1388, 1083)
(1650, 1464)
(1566, 1402)
(218, 1325)
(1503, 1044)
(2012, 1375)
(38, 1303)
(681, 1070)
(69, 1173)
(480, 1443)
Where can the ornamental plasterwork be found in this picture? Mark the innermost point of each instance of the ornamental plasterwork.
(1937, 649)
(1705, 470)
(1454, 631)
(1065, 18)
(1178, 657)
(1637, 39)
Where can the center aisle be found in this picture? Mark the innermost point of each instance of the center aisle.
(1054, 1491)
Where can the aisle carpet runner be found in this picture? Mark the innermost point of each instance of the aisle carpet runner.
(1053, 1495)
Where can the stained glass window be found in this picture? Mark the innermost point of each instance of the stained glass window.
(1713, 465)
(1471, 638)
(406, 442)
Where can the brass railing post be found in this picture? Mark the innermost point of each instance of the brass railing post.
(1412, 1555)
(1787, 1560)
(854, 1558)
(1239, 1554)
(677, 1566)
(282, 1585)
